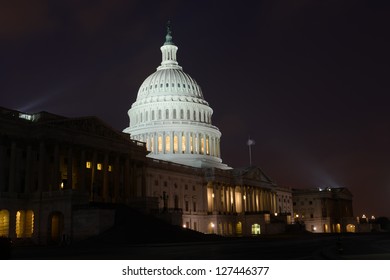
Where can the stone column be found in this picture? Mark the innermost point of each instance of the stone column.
(12, 224)
(116, 170)
(234, 208)
(105, 179)
(28, 175)
(93, 186)
(127, 181)
(55, 184)
(171, 135)
(12, 169)
(155, 143)
(81, 175)
(70, 169)
(41, 170)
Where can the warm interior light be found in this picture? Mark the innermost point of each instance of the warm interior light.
(109, 168)
(99, 166)
(88, 164)
(212, 195)
(244, 197)
(212, 225)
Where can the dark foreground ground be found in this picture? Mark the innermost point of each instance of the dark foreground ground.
(154, 239)
(281, 247)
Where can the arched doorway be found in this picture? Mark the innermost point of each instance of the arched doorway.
(4, 223)
(255, 229)
(239, 228)
(56, 227)
(351, 228)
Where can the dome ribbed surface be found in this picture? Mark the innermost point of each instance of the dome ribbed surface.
(170, 84)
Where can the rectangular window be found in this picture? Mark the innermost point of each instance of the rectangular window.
(194, 206)
(183, 144)
(207, 146)
(88, 164)
(159, 144)
(99, 166)
(186, 206)
(175, 144)
(191, 144)
(167, 143)
(109, 168)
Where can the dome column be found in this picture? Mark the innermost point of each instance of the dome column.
(171, 136)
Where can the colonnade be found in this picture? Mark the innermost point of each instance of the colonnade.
(238, 199)
(181, 143)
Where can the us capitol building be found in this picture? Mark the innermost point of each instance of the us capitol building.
(172, 117)
(63, 176)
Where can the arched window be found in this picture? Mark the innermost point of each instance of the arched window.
(159, 115)
(20, 222)
(181, 114)
(194, 115)
(174, 114)
(147, 116)
(188, 114)
(166, 114)
(152, 115)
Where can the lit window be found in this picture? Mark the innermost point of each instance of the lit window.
(183, 143)
(109, 168)
(207, 145)
(256, 229)
(20, 223)
(88, 164)
(167, 144)
(4, 223)
(175, 144)
(159, 142)
(99, 166)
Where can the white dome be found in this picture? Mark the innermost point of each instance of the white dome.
(172, 117)
(173, 83)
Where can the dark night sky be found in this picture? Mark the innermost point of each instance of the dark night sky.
(307, 80)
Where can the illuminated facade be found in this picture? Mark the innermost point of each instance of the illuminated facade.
(187, 175)
(61, 178)
(324, 210)
(172, 117)
(54, 169)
